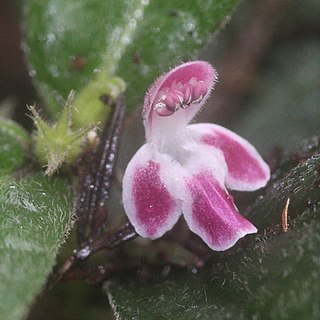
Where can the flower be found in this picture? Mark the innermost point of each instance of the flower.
(185, 168)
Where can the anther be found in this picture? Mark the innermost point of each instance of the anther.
(179, 95)
(199, 90)
(162, 109)
(187, 93)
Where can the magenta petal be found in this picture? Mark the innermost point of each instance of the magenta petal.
(210, 213)
(149, 203)
(246, 169)
(178, 94)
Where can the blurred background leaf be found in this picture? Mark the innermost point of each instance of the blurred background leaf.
(70, 42)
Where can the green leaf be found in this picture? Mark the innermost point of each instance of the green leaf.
(298, 179)
(14, 143)
(275, 276)
(70, 42)
(35, 217)
(278, 280)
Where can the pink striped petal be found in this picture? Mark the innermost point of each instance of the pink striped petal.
(148, 192)
(207, 207)
(175, 97)
(247, 170)
(211, 214)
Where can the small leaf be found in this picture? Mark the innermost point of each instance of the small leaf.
(14, 143)
(35, 217)
(70, 42)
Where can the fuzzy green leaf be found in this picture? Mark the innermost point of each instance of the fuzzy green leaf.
(69, 42)
(275, 276)
(35, 217)
(279, 279)
(14, 143)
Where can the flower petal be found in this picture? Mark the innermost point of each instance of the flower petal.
(247, 170)
(175, 97)
(211, 213)
(148, 192)
(207, 207)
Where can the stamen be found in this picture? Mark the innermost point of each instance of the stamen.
(179, 95)
(199, 90)
(162, 109)
(187, 93)
(174, 100)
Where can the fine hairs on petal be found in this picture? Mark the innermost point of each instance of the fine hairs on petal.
(200, 76)
(186, 168)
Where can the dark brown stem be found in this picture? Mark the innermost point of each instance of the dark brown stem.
(95, 184)
(101, 242)
(106, 241)
(143, 270)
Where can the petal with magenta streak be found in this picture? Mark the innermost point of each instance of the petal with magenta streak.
(207, 207)
(148, 192)
(211, 214)
(247, 170)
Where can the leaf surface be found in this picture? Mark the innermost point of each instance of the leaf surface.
(274, 275)
(14, 143)
(70, 42)
(35, 217)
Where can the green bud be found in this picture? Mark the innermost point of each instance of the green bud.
(92, 104)
(57, 143)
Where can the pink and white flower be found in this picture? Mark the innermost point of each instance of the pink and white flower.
(185, 169)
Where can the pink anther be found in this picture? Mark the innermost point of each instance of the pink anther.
(169, 100)
(174, 99)
(187, 93)
(162, 110)
(199, 91)
(172, 103)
